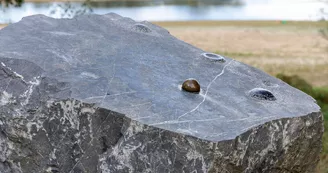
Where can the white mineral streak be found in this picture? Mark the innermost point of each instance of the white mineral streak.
(122, 153)
(18, 75)
(4, 150)
(241, 150)
(59, 33)
(104, 167)
(89, 112)
(15, 73)
(207, 89)
(135, 127)
(89, 75)
(49, 170)
(194, 155)
(52, 155)
(16, 167)
(270, 147)
(27, 94)
(65, 57)
(5, 98)
(28, 134)
(70, 113)
(285, 135)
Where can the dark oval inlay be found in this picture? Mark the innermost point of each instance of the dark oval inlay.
(213, 56)
(142, 28)
(262, 94)
(191, 85)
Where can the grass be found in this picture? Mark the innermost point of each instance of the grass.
(323, 164)
(241, 23)
(236, 54)
(292, 48)
(2, 25)
(321, 96)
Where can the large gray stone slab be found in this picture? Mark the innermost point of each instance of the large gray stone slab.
(102, 93)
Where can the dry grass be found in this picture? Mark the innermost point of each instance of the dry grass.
(2, 25)
(292, 48)
(233, 23)
(323, 166)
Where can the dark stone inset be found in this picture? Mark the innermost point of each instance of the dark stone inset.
(142, 28)
(191, 85)
(213, 56)
(262, 94)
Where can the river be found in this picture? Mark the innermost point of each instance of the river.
(185, 10)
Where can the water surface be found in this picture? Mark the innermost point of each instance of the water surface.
(181, 10)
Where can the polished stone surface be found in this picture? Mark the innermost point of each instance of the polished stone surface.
(126, 68)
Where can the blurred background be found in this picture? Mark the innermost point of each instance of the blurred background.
(285, 38)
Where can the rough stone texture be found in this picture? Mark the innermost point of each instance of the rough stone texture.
(103, 94)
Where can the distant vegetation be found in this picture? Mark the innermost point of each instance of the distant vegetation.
(68, 9)
(321, 96)
(131, 3)
(6, 3)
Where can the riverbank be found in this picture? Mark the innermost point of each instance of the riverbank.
(274, 46)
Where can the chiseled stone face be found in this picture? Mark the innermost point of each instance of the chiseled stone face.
(103, 93)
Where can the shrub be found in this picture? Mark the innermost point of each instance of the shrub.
(319, 94)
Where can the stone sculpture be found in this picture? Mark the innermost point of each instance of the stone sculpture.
(103, 93)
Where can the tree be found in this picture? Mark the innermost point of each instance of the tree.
(6, 3)
(68, 10)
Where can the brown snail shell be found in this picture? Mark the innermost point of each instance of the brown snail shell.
(191, 85)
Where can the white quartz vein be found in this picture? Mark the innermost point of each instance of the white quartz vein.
(79, 70)
(15, 73)
(185, 121)
(110, 81)
(89, 144)
(7, 85)
(210, 119)
(138, 105)
(207, 89)
(111, 95)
